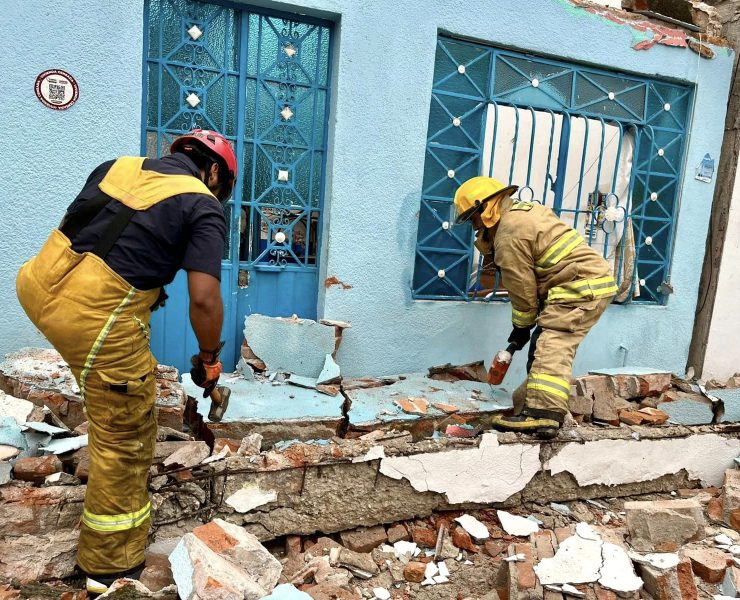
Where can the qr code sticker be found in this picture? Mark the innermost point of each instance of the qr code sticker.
(56, 93)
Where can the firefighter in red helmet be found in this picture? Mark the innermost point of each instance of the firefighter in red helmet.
(91, 290)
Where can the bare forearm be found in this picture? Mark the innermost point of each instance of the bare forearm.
(206, 309)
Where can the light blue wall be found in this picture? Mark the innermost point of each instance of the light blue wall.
(46, 155)
(383, 78)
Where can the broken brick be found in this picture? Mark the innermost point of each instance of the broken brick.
(631, 417)
(475, 371)
(654, 384)
(364, 539)
(526, 578)
(715, 509)
(231, 443)
(731, 498)
(424, 537)
(708, 563)
(544, 544)
(293, 545)
(670, 584)
(653, 416)
(36, 468)
(461, 539)
(414, 572)
(413, 406)
(396, 533)
(446, 408)
(495, 547)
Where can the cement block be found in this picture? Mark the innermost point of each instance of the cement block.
(664, 525)
(290, 345)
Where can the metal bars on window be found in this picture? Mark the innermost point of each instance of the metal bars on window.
(604, 150)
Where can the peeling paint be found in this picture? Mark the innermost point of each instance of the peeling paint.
(614, 462)
(488, 473)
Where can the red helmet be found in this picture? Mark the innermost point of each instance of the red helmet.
(214, 143)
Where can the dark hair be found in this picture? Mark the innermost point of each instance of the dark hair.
(203, 159)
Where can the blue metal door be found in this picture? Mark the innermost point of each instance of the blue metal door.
(262, 80)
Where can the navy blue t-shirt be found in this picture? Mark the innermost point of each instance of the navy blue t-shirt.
(185, 231)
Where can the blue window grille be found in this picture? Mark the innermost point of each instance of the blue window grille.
(604, 150)
(261, 78)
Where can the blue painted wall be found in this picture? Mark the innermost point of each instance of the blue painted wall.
(46, 155)
(383, 77)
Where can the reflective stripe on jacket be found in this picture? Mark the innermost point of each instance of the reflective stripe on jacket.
(543, 260)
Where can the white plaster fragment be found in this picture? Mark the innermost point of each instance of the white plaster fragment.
(569, 590)
(512, 558)
(465, 475)
(374, 453)
(578, 560)
(250, 497)
(428, 582)
(19, 409)
(615, 462)
(225, 452)
(330, 373)
(587, 532)
(515, 525)
(723, 539)
(474, 527)
(430, 571)
(659, 560)
(65, 445)
(405, 550)
(443, 570)
(617, 572)
(440, 579)
(381, 593)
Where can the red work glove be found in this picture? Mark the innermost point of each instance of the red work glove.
(204, 374)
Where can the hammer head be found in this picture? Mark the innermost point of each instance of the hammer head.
(219, 403)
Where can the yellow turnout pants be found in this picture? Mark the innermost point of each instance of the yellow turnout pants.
(100, 326)
(564, 326)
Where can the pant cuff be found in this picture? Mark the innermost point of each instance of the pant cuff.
(541, 413)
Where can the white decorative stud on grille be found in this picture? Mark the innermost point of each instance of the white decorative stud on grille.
(654, 196)
(286, 113)
(441, 273)
(614, 213)
(193, 99)
(661, 152)
(461, 69)
(666, 107)
(451, 173)
(290, 50)
(648, 241)
(446, 225)
(642, 283)
(282, 175)
(280, 237)
(611, 96)
(456, 121)
(195, 32)
(535, 83)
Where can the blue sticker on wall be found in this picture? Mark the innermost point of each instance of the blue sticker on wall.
(705, 171)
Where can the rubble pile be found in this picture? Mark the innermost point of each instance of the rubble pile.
(327, 487)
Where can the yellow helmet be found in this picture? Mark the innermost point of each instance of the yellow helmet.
(471, 197)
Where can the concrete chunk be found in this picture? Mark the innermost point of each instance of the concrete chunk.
(188, 454)
(731, 498)
(664, 525)
(302, 347)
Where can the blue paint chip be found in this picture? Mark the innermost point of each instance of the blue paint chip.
(731, 399)
(637, 371)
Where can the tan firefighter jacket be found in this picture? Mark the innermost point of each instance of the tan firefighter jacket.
(543, 261)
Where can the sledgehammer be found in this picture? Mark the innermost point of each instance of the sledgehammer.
(219, 403)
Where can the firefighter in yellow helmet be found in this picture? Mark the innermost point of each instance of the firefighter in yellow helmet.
(555, 281)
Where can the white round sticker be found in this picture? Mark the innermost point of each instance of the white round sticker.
(56, 89)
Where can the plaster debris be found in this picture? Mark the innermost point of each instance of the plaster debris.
(405, 550)
(515, 525)
(61, 446)
(287, 591)
(15, 407)
(577, 560)
(381, 593)
(561, 508)
(374, 453)
(515, 558)
(330, 373)
(5, 470)
(723, 539)
(514, 464)
(188, 454)
(617, 572)
(10, 433)
(44, 428)
(474, 527)
(660, 560)
(249, 498)
(614, 462)
(303, 345)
